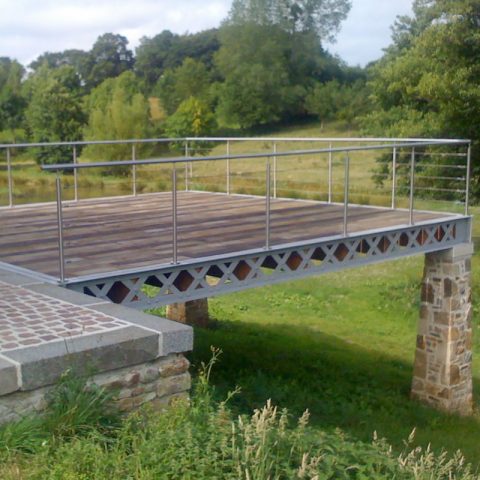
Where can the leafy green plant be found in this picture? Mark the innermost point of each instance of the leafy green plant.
(74, 408)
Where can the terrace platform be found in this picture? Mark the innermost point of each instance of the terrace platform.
(105, 239)
(178, 247)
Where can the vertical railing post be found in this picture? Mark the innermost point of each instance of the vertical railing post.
(75, 174)
(61, 252)
(330, 174)
(275, 170)
(267, 208)
(467, 178)
(394, 177)
(228, 167)
(345, 195)
(412, 186)
(186, 166)
(10, 179)
(174, 215)
(134, 171)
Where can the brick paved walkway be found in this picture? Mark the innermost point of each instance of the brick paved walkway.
(46, 330)
(30, 318)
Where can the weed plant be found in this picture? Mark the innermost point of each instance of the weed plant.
(73, 409)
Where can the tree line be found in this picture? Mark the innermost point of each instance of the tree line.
(266, 63)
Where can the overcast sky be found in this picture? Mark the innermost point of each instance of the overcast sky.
(31, 27)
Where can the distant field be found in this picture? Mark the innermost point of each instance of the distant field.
(297, 176)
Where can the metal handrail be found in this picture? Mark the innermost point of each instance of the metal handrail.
(232, 139)
(271, 171)
(153, 161)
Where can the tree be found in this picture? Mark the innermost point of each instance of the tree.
(191, 79)
(335, 101)
(151, 56)
(78, 59)
(54, 112)
(270, 56)
(193, 118)
(405, 28)
(12, 101)
(116, 110)
(321, 17)
(168, 51)
(429, 86)
(108, 58)
(257, 88)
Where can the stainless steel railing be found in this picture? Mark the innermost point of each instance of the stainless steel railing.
(274, 141)
(404, 171)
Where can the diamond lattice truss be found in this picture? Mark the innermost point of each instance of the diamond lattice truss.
(213, 276)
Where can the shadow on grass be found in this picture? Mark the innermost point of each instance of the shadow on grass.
(343, 385)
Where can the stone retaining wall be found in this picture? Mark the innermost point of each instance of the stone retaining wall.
(157, 382)
(46, 330)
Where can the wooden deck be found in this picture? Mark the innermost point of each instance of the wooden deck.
(131, 232)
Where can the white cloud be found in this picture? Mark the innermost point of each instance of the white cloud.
(31, 27)
(367, 29)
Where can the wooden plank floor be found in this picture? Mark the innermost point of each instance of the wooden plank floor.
(129, 232)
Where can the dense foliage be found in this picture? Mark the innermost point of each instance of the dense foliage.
(54, 112)
(117, 110)
(427, 82)
(12, 102)
(258, 68)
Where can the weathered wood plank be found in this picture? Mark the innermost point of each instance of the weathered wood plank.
(126, 232)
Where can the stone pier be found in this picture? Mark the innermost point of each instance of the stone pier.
(442, 374)
(194, 312)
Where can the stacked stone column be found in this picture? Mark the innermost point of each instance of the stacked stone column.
(442, 374)
(193, 312)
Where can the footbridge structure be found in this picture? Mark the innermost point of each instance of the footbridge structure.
(227, 214)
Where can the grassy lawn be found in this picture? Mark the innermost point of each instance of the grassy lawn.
(341, 345)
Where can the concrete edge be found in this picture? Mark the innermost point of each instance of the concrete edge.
(42, 365)
(457, 252)
(145, 338)
(17, 279)
(174, 337)
(10, 376)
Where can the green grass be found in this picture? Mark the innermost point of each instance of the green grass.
(341, 345)
(204, 440)
(72, 410)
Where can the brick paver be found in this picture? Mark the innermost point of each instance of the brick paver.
(30, 318)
